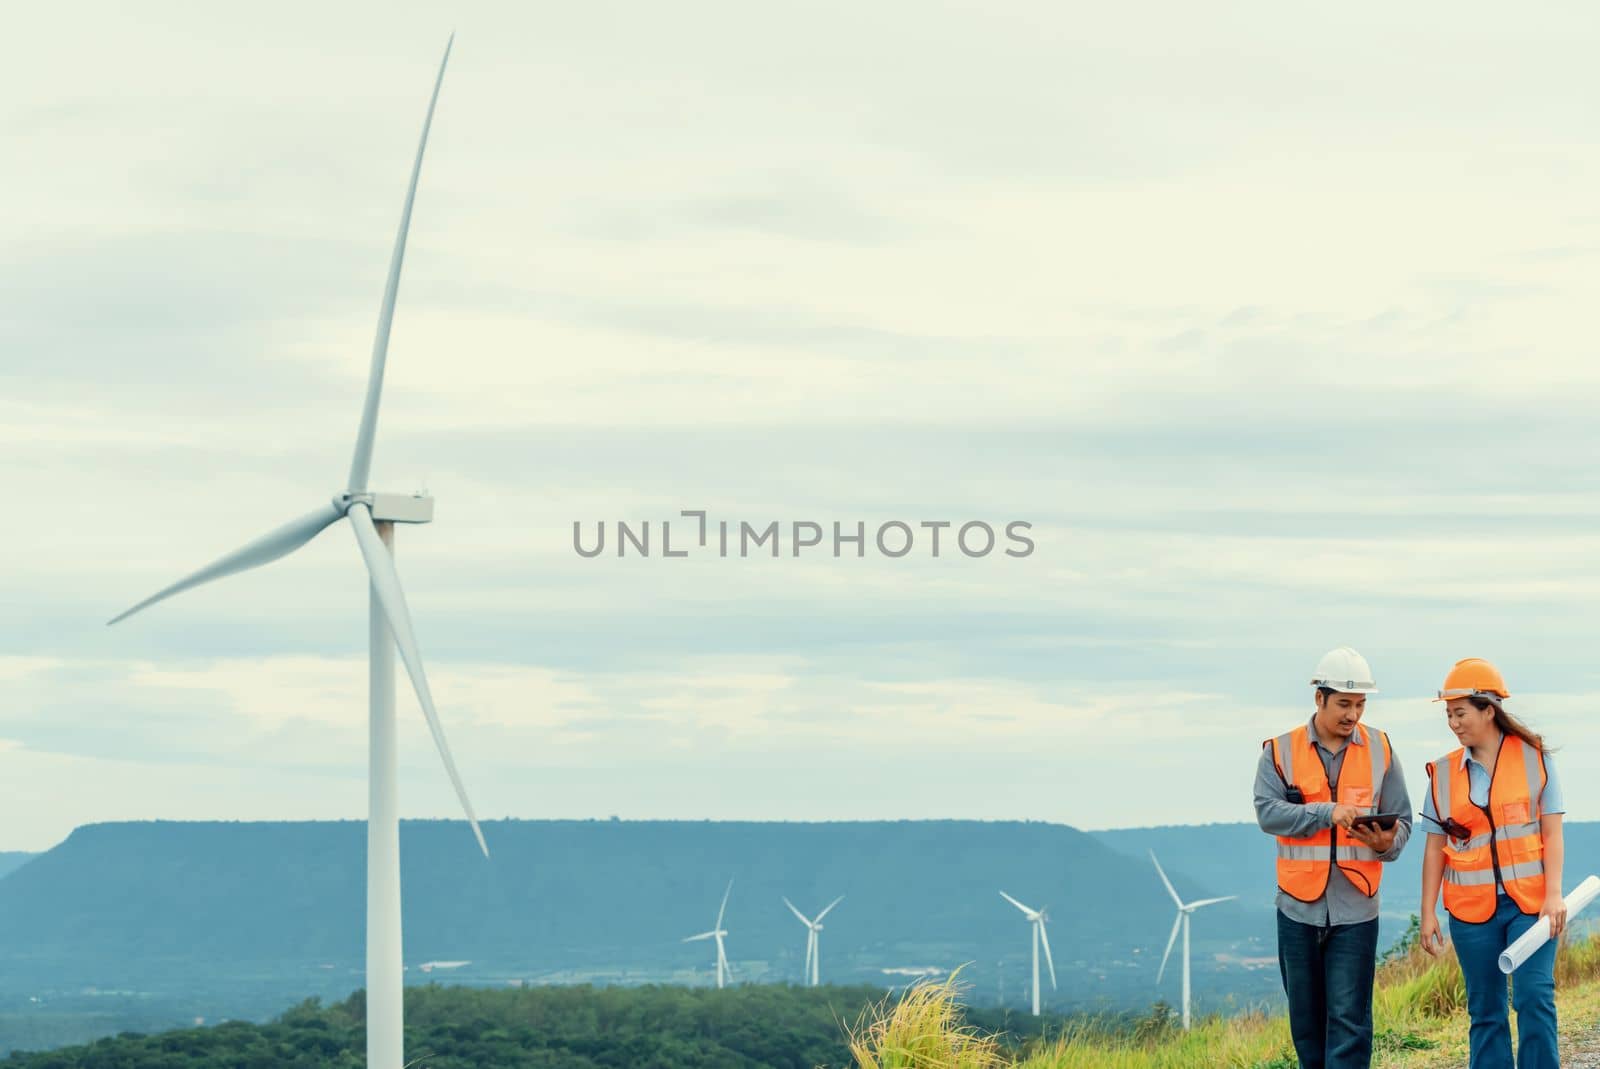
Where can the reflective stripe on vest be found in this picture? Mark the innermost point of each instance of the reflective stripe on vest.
(1305, 865)
(1508, 837)
(1485, 877)
(1320, 853)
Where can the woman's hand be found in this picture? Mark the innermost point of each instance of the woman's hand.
(1431, 937)
(1555, 908)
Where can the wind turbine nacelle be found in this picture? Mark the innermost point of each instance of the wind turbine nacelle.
(402, 508)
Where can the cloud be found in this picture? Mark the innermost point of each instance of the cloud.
(1272, 360)
(535, 742)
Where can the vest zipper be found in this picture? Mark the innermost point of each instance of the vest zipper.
(1494, 844)
(1333, 830)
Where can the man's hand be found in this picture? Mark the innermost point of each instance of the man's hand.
(1555, 907)
(1343, 815)
(1374, 838)
(1432, 939)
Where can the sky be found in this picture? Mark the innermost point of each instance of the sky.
(1275, 324)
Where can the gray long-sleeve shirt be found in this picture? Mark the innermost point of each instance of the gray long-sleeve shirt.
(1341, 903)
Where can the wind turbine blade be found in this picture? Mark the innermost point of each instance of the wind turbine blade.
(361, 461)
(386, 583)
(724, 905)
(1019, 905)
(811, 951)
(696, 938)
(797, 913)
(835, 902)
(1210, 901)
(1044, 938)
(1166, 881)
(1173, 938)
(264, 550)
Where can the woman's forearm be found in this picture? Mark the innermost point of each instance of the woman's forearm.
(1555, 852)
(1432, 871)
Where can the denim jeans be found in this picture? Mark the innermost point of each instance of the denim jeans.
(1327, 974)
(1533, 992)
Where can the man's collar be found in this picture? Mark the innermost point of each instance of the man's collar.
(1311, 728)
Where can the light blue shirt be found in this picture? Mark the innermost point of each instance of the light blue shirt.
(1550, 799)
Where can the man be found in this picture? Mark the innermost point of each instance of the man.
(1312, 784)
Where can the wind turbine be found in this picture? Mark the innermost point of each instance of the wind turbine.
(1036, 918)
(372, 518)
(717, 932)
(812, 969)
(1182, 919)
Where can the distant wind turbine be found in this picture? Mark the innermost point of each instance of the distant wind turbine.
(372, 518)
(1036, 918)
(717, 933)
(812, 970)
(1182, 919)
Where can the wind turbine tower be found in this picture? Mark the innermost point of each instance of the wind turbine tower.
(1036, 918)
(718, 933)
(372, 518)
(1184, 910)
(812, 970)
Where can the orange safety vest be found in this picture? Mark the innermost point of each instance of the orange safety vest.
(1306, 865)
(1504, 845)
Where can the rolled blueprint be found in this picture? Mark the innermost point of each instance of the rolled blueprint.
(1534, 938)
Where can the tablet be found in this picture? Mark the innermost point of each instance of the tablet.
(1377, 820)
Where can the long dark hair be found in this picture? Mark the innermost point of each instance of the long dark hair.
(1511, 725)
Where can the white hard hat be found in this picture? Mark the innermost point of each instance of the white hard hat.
(1345, 671)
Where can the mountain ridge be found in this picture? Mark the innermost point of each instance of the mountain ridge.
(150, 905)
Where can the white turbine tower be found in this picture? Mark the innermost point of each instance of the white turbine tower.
(1036, 918)
(812, 970)
(717, 933)
(1184, 909)
(372, 518)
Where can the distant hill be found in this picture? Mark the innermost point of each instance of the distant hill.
(11, 860)
(266, 913)
(136, 926)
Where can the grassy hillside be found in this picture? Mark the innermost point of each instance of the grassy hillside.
(1419, 1009)
(1420, 1025)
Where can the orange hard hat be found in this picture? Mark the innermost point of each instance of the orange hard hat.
(1474, 677)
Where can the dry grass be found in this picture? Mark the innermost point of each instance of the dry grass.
(1415, 985)
(1243, 1042)
(1579, 961)
(923, 1030)
(1419, 1019)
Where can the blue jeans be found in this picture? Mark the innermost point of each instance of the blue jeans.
(1327, 974)
(1533, 992)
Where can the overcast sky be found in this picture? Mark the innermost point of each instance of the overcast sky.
(1276, 323)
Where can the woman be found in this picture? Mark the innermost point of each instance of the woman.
(1494, 841)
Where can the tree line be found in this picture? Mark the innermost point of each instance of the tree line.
(657, 1027)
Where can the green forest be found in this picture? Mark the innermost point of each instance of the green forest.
(658, 1027)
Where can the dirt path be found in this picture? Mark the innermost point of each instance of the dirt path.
(1581, 1051)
